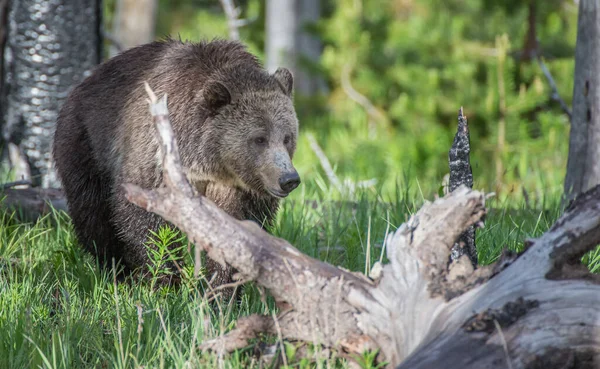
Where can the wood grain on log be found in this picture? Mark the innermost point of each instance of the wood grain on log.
(536, 317)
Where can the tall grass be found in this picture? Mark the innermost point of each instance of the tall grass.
(59, 310)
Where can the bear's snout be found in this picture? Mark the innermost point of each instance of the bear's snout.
(289, 181)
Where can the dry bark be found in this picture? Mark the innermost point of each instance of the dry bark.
(461, 174)
(583, 166)
(31, 203)
(538, 311)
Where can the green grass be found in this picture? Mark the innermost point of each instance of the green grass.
(58, 310)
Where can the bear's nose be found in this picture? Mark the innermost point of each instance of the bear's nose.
(289, 181)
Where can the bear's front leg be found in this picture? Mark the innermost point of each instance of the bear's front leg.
(133, 225)
(241, 205)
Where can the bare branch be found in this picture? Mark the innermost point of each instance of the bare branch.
(555, 95)
(348, 186)
(113, 40)
(247, 328)
(325, 164)
(23, 182)
(359, 98)
(174, 176)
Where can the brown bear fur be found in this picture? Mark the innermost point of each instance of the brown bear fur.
(234, 123)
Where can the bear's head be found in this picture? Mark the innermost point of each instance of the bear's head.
(252, 130)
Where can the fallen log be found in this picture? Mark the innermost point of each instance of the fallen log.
(31, 203)
(539, 310)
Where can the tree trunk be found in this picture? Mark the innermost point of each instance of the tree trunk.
(134, 23)
(289, 44)
(3, 33)
(309, 49)
(583, 167)
(536, 310)
(281, 29)
(50, 46)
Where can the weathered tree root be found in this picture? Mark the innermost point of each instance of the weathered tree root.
(515, 316)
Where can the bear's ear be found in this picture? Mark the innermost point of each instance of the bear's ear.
(284, 77)
(215, 95)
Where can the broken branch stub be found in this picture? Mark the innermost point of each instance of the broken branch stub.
(411, 285)
(462, 174)
(521, 315)
(517, 318)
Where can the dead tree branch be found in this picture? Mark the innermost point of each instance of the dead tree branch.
(113, 40)
(325, 164)
(347, 186)
(513, 312)
(461, 174)
(555, 95)
(357, 97)
(20, 183)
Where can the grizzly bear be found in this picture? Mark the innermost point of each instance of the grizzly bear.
(234, 123)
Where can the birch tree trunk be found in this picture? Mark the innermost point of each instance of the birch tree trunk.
(281, 29)
(49, 47)
(134, 23)
(288, 43)
(583, 167)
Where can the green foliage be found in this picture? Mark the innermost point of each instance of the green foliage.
(162, 250)
(417, 62)
(592, 260)
(368, 360)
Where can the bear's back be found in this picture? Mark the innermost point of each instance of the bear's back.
(111, 103)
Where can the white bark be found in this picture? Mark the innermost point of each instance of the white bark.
(134, 23)
(287, 41)
(231, 12)
(281, 29)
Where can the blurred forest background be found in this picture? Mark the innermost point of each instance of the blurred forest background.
(379, 82)
(417, 62)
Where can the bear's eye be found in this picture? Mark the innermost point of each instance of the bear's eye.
(260, 141)
(286, 140)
